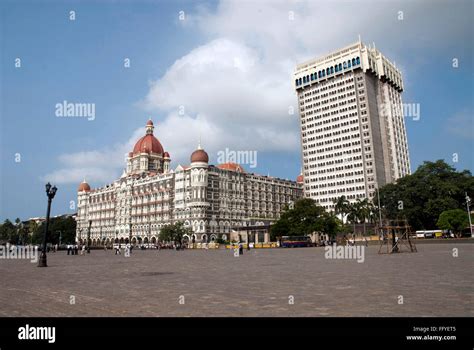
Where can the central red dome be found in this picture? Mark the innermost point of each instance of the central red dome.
(148, 144)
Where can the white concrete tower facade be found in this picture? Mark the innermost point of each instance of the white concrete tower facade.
(353, 133)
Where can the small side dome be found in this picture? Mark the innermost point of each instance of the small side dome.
(300, 179)
(166, 155)
(199, 155)
(84, 187)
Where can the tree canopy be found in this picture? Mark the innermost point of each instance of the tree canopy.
(305, 218)
(30, 232)
(454, 220)
(422, 196)
(174, 232)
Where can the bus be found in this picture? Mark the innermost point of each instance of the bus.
(295, 242)
(429, 234)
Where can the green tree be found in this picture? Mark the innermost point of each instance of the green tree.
(342, 207)
(9, 232)
(31, 228)
(454, 220)
(174, 232)
(331, 224)
(422, 196)
(305, 218)
(58, 226)
(64, 227)
(354, 213)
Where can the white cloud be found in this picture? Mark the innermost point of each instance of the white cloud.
(226, 94)
(236, 89)
(97, 166)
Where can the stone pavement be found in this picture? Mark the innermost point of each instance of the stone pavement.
(261, 282)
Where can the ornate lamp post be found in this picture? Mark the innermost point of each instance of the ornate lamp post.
(50, 192)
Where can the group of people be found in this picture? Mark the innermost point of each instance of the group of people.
(73, 249)
(351, 241)
(127, 248)
(238, 248)
(120, 248)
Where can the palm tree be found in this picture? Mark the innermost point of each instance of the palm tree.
(373, 213)
(32, 228)
(354, 213)
(342, 207)
(365, 210)
(361, 211)
(18, 227)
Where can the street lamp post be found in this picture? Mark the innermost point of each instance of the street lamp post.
(468, 204)
(380, 209)
(89, 237)
(50, 192)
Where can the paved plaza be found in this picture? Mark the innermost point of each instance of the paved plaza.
(261, 282)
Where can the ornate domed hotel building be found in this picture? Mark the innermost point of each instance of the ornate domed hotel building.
(211, 200)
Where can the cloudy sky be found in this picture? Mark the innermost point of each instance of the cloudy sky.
(216, 71)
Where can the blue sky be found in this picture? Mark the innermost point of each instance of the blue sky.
(222, 74)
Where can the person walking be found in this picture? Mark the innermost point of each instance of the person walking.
(83, 250)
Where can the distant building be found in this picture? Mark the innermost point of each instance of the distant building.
(208, 199)
(38, 220)
(353, 133)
